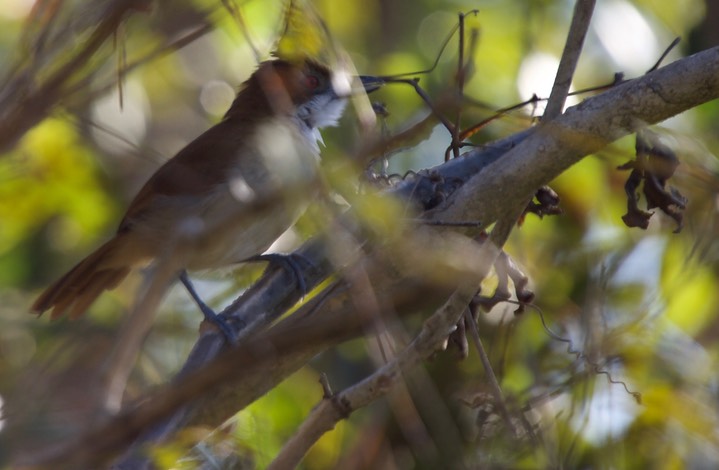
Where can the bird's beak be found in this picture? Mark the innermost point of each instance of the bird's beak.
(371, 83)
(344, 86)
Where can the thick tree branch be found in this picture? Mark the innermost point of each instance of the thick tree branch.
(583, 129)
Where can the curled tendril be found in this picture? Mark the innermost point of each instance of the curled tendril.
(580, 356)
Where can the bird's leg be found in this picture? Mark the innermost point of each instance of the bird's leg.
(209, 314)
(289, 262)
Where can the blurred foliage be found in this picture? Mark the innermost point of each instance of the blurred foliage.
(640, 305)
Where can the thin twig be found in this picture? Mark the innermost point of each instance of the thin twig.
(572, 49)
(493, 382)
(414, 83)
(137, 325)
(664, 54)
(442, 48)
(460, 88)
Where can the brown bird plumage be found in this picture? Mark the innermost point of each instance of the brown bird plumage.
(265, 142)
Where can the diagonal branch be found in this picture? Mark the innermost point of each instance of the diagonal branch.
(435, 330)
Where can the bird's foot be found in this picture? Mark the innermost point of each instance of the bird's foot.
(219, 321)
(291, 263)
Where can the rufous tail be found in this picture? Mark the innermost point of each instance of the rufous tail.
(78, 288)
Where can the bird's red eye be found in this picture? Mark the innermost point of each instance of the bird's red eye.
(312, 82)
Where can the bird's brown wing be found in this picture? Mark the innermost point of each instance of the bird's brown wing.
(194, 172)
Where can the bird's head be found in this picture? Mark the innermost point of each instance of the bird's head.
(282, 88)
(306, 91)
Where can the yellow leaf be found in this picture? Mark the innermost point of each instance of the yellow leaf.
(305, 35)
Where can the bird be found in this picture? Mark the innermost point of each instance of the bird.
(210, 200)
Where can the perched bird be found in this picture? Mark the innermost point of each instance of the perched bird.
(221, 199)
